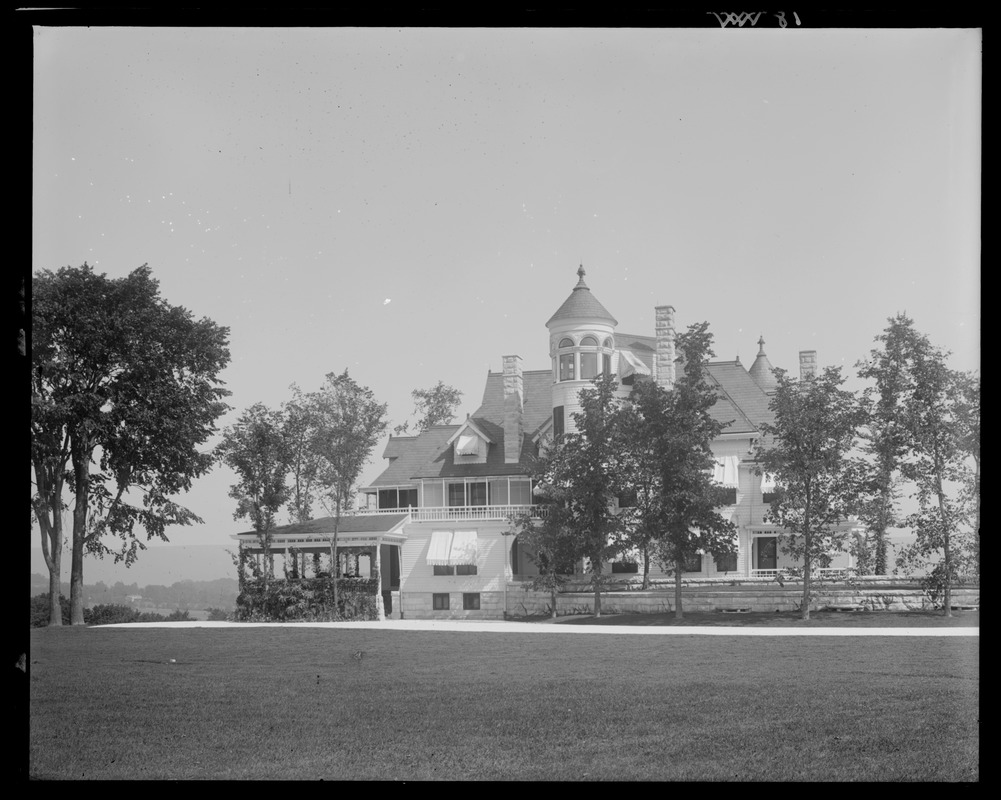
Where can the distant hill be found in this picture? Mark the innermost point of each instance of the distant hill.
(163, 565)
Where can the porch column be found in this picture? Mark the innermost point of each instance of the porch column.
(380, 609)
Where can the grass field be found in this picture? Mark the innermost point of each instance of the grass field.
(296, 703)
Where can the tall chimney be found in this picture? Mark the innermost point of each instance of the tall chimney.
(514, 394)
(807, 364)
(663, 364)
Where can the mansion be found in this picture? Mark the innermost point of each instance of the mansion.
(436, 527)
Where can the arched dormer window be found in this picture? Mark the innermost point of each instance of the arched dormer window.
(588, 341)
(566, 342)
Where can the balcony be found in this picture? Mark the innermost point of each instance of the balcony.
(430, 514)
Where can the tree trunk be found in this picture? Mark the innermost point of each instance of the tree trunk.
(55, 589)
(807, 544)
(81, 490)
(679, 609)
(336, 567)
(552, 598)
(52, 551)
(646, 568)
(946, 553)
(596, 575)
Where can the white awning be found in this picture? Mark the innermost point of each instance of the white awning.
(463, 548)
(725, 472)
(631, 365)
(767, 483)
(449, 548)
(439, 548)
(467, 445)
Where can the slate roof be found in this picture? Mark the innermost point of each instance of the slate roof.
(581, 303)
(741, 402)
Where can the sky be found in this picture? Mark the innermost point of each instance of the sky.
(413, 204)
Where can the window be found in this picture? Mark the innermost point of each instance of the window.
(730, 497)
(606, 364)
(693, 563)
(588, 366)
(727, 563)
(443, 569)
(557, 422)
(465, 569)
(769, 497)
(477, 493)
(408, 498)
(457, 494)
(566, 342)
(439, 602)
(607, 343)
(567, 367)
(625, 566)
(521, 492)
(471, 602)
(433, 496)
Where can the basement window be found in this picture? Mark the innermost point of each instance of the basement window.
(439, 602)
(471, 601)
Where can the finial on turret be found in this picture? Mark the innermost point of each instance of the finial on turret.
(761, 346)
(580, 273)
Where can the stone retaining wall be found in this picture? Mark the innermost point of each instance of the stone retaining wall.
(527, 603)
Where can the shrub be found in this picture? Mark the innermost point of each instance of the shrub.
(217, 614)
(40, 610)
(110, 615)
(178, 616)
(307, 600)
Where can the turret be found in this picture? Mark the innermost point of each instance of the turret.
(581, 346)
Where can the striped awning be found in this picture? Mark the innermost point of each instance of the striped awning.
(467, 445)
(449, 548)
(725, 473)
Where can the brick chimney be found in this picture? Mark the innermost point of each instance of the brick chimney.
(514, 398)
(807, 364)
(663, 364)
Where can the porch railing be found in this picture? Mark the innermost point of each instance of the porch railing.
(432, 514)
(830, 573)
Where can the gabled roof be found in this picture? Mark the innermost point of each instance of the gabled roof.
(470, 424)
(741, 400)
(412, 453)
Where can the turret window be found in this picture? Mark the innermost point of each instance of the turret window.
(588, 341)
(566, 342)
(588, 366)
(567, 367)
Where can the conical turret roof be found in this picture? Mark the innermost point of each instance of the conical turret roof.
(581, 303)
(761, 369)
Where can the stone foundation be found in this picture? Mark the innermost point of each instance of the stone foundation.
(420, 605)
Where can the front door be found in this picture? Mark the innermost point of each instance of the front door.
(767, 552)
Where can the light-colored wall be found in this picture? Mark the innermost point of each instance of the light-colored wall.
(416, 575)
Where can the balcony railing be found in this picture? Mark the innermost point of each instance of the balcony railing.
(431, 514)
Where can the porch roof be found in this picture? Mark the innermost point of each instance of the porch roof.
(354, 531)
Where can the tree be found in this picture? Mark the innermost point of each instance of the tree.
(299, 428)
(256, 449)
(433, 406)
(672, 431)
(940, 411)
(122, 380)
(884, 439)
(808, 450)
(581, 479)
(547, 537)
(348, 423)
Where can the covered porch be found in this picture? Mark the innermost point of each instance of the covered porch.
(368, 552)
(769, 561)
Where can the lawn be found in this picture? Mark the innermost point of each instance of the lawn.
(298, 703)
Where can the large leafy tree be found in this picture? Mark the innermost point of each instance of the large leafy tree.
(547, 536)
(124, 392)
(940, 410)
(348, 424)
(582, 479)
(435, 405)
(299, 424)
(884, 441)
(671, 431)
(808, 450)
(257, 450)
